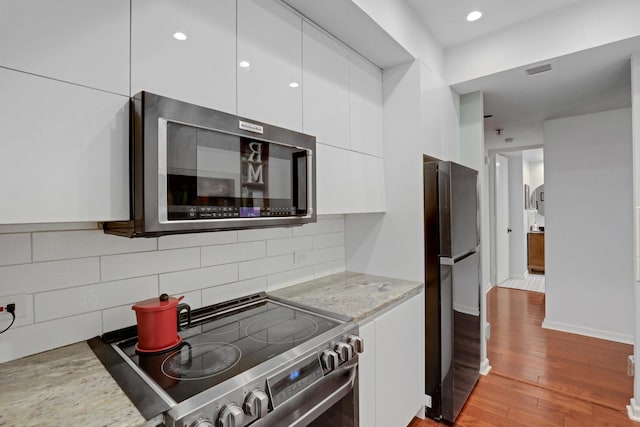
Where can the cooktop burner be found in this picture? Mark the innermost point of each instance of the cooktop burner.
(282, 327)
(195, 362)
(228, 344)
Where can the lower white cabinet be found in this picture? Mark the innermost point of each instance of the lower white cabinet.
(349, 182)
(391, 369)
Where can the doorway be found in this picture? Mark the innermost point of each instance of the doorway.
(517, 218)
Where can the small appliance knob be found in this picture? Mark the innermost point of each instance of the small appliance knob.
(356, 342)
(231, 416)
(201, 422)
(330, 360)
(345, 351)
(256, 404)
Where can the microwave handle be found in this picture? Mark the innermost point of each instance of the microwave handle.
(299, 178)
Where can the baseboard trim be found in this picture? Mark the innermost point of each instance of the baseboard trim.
(485, 368)
(590, 332)
(633, 410)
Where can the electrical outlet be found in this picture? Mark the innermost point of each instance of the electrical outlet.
(20, 300)
(427, 401)
(487, 331)
(301, 256)
(631, 365)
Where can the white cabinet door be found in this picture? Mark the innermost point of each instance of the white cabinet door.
(399, 338)
(79, 41)
(325, 87)
(367, 191)
(333, 180)
(348, 182)
(367, 376)
(365, 106)
(201, 69)
(269, 63)
(64, 153)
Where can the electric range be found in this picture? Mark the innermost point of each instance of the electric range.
(256, 360)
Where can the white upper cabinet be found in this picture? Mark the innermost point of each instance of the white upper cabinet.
(325, 78)
(201, 69)
(64, 151)
(269, 63)
(365, 106)
(78, 41)
(349, 182)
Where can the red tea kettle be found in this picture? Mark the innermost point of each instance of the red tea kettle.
(158, 323)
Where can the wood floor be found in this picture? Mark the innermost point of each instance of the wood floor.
(541, 377)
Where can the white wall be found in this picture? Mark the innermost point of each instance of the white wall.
(588, 212)
(517, 218)
(524, 136)
(400, 21)
(551, 35)
(420, 117)
(633, 408)
(80, 282)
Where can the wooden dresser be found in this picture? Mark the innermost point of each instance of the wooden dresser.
(535, 252)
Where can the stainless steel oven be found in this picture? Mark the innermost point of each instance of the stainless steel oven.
(197, 169)
(254, 361)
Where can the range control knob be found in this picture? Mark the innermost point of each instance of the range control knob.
(344, 350)
(256, 404)
(330, 360)
(231, 416)
(201, 422)
(356, 342)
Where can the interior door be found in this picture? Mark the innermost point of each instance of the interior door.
(502, 218)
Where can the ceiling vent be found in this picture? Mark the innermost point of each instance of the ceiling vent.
(539, 69)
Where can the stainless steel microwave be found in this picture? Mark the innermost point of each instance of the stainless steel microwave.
(194, 169)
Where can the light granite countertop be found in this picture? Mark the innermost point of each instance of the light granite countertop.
(64, 386)
(70, 386)
(354, 295)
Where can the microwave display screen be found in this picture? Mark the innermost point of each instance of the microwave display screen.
(216, 175)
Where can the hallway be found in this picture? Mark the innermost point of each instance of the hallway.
(542, 377)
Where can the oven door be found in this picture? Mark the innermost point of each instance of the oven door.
(331, 401)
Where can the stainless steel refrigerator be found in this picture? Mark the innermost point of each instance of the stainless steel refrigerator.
(452, 305)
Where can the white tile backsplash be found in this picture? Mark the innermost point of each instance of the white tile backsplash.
(46, 276)
(15, 248)
(189, 280)
(85, 243)
(264, 234)
(83, 299)
(223, 293)
(321, 227)
(197, 239)
(38, 337)
(264, 266)
(288, 278)
(288, 246)
(223, 254)
(328, 240)
(82, 283)
(114, 267)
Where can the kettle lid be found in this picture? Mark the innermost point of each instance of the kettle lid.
(161, 303)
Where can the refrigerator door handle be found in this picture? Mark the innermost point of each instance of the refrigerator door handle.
(445, 260)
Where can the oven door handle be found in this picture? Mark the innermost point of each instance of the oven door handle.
(306, 406)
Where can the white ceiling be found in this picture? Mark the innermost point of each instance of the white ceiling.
(585, 82)
(589, 81)
(446, 19)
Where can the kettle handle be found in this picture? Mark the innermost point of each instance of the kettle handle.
(180, 308)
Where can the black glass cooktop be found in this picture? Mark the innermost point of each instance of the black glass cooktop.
(227, 345)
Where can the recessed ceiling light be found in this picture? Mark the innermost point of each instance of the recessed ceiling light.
(293, 84)
(244, 64)
(474, 16)
(179, 36)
